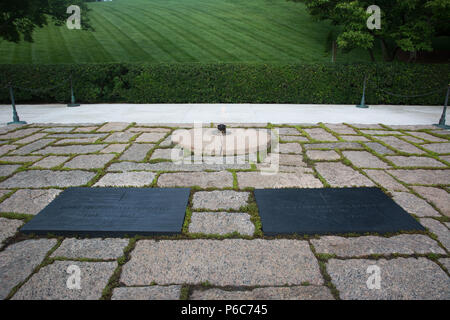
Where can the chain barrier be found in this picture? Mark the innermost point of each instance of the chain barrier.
(413, 96)
(425, 94)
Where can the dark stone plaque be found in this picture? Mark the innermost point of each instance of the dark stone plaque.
(112, 212)
(331, 211)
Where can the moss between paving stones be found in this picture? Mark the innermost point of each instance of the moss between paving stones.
(251, 209)
(114, 281)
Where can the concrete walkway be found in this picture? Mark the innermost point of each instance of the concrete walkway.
(228, 113)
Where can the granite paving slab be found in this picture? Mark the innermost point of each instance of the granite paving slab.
(113, 126)
(411, 161)
(147, 129)
(441, 148)
(96, 248)
(279, 180)
(322, 155)
(401, 279)
(58, 129)
(47, 178)
(335, 145)
(340, 128)
(73, 149)
(229, 262)
(78, 135)
(221, 179)
(19, 133)
(355, 138)
(267, 293)
(439, 197)
(221, 223)
(170, 166)
(413, 139)
(7, 148)
(421, 176)
(18, 261)
(86, 129)
(136, 152)
(126, 179)
(339, 175)
(381, 132)
(368, 245)
(89, 161)
(29, 148)
(442, 232)
(31, 138)
(20, 159)
(379, 148)
(29, 201)
(147, 293)
(151, 137)
(291, 160)
(51, 161)
(426, 136)
(385, 180)
(364, 159)
(119, 137)
(320, 134)
(400, 145)
(216, 200)
(8, 228)
(7, 169)
(290, 148)
(445, 262)
(50, 283)
(414, 205)
(114, 148)
(166, 154)
(75, 141)
(293, 138)
(289, 131)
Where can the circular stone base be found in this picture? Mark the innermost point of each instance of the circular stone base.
(212, 142)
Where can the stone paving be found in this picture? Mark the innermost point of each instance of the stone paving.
(222, 252)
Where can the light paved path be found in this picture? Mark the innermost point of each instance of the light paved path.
(207, 113)
(222, 252)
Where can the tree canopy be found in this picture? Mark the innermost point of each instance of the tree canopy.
(408, 25)
(19, 18)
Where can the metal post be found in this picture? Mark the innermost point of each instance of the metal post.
(363, 99)
(72, 96)
(444, 112)
(16, 119)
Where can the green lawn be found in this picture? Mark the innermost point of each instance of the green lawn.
(184, 31)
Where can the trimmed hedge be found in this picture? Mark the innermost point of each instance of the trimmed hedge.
(225, 83)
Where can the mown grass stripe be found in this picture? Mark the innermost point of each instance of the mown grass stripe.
(211, 38)
(197, 50)
(166, 46)
(128, 46)
(63, 52)
(204, 31)
(289, 41)
(261, 42)
(219, 36)
(147, 43)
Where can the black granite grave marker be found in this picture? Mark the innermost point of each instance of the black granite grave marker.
(112, 212)
(331, 211)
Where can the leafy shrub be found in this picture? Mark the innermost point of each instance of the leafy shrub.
(226, 83)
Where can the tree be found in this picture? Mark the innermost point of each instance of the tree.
(408, 25)
(19, 18)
